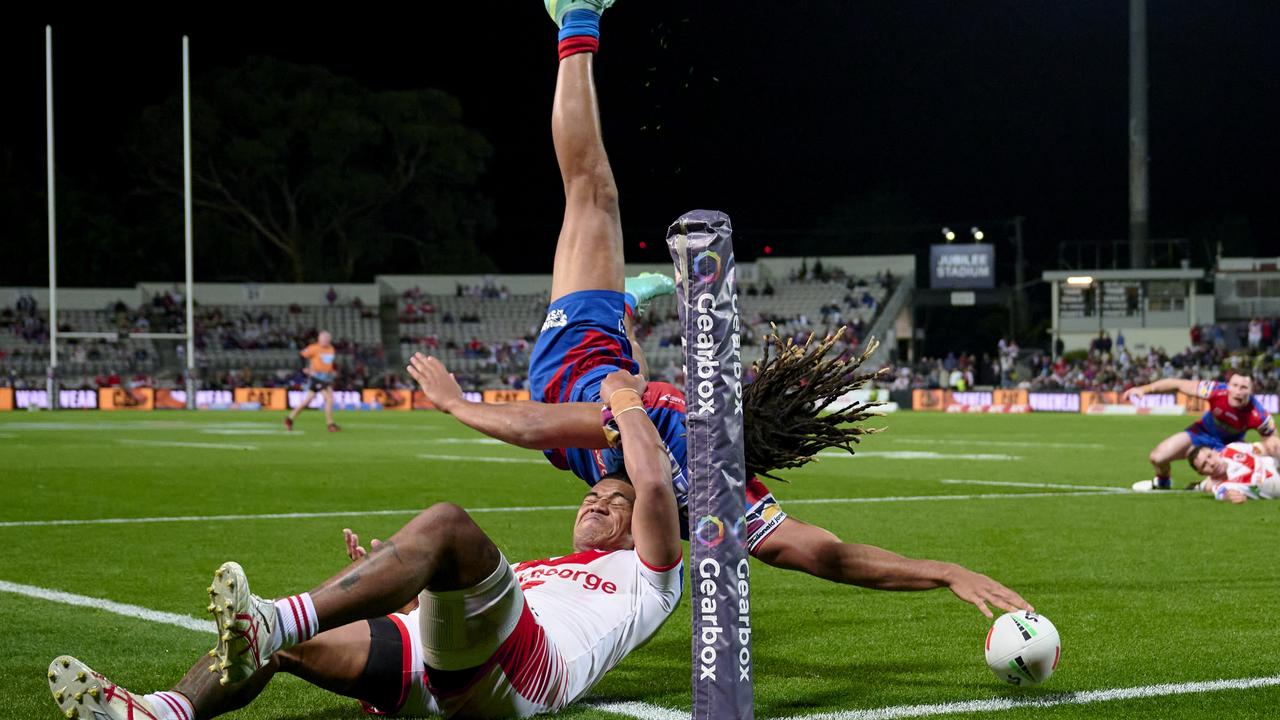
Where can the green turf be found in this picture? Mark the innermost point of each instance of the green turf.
(1144, 589)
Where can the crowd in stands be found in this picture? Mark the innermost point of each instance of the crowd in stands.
(483, 331)
(1110, 364)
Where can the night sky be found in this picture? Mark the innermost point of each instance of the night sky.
(826, 119)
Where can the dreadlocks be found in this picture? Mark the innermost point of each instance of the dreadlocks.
(785, 424)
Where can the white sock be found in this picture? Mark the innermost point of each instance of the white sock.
(296, 619)
(171, 706)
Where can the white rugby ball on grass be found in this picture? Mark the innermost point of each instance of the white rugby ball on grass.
(1023, 648)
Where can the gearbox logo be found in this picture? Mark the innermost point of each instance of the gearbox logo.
(710, 531)
(706, 266)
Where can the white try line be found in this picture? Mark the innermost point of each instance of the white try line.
(524, 509)
(918, 455)
(645, 711)
(1000, 483)
(984, 441)
(1084, 697)
(184, 444)
(133, 611)
(638, 710)
(485, 458)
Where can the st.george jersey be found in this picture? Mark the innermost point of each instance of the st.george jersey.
(1250, 471)
(583, 614)
(1229, 423)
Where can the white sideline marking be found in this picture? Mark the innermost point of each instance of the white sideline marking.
(1084, 697)
(133, 611)
(522, 509)
(265, 516)
(984, 441)
(484, 458)
(132, 425)
(919, 498)
(183, 444)
(645, 711)
(251, 431)
(467, 441)
(917, 455)
(1032, 485)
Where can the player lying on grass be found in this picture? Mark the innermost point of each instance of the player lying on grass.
(1232, 412)
(489, 639)
(1238, 473)
(585, 337)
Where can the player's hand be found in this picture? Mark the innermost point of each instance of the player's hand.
(1134, 394)
(437, 383)
(1236, 497)
(354, 550)
(979, 590)
(621, 380)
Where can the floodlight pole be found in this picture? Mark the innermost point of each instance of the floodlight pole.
(51, 378)
(186, 206)
(1139, 192)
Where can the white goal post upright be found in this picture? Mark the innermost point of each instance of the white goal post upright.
(186, 211)
(51, 382)
(188, 334)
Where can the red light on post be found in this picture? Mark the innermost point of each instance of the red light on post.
(768, 249)
(643, 244)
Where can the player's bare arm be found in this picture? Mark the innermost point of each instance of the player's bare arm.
(533, 425)
(1187, 387)
(800, 546)
(655, 524)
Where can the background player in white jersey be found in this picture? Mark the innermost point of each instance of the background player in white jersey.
(1238, 473)
(488, 640)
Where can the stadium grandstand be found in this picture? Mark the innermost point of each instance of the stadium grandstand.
(482, 327)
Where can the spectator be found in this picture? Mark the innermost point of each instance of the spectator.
(1255, 333)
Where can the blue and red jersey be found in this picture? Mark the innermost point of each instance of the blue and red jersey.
(664, 403)
(1223, 424)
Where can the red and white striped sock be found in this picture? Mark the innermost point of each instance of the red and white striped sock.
(297, 621)
(171, 706)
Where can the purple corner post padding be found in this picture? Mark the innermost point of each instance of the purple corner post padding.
(701, 245)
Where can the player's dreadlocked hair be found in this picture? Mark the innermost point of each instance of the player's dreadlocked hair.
(783, 409)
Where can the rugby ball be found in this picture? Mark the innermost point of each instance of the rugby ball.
(1023, 648)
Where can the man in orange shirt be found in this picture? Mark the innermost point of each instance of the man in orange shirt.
(320, 355)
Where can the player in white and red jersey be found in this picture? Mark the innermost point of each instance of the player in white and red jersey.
(1238, 473)
(488, 640)
(1232, 412)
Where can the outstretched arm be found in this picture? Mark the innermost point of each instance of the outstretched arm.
(1187, 387)
(534, 425)
(655, 524)
(795, 545)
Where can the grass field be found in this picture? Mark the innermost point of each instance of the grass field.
(1145, 590)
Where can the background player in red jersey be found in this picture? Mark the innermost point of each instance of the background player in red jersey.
(1232, 412)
